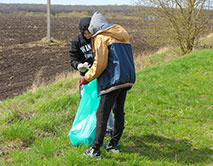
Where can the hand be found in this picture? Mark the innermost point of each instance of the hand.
(83, 67)
(86, 65)
(83, 81)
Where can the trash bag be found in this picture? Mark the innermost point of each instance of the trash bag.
(84, 125)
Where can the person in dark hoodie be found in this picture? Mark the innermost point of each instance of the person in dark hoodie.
(114, 69)
(81, 58)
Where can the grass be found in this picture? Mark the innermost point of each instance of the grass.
(169, 119)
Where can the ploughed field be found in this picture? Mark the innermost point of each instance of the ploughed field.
(25, 58)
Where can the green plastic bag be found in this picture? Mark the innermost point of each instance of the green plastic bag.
(84, 125)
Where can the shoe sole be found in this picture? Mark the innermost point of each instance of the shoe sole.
(95, 157)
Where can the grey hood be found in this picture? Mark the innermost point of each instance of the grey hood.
(97, 23)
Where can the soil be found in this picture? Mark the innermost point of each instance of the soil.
(26, 58)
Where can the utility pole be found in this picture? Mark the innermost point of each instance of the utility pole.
(48, 20)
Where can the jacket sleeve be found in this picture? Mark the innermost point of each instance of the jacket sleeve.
(74, 54)
(100, 61)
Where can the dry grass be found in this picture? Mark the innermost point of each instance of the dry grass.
(205, 42)
(73, 14)
(141, 61)
(163, 50)
(64, 75)
(40, 82)
(70, 75)
(164, 54)
(44, 42)
(210, 36)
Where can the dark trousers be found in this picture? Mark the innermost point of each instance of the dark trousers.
(115, 99)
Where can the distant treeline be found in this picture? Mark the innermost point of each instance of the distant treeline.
(41, 8)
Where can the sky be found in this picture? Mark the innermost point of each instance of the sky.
(73, 2)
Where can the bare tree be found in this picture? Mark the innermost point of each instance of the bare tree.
(177, 22)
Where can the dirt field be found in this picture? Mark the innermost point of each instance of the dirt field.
(25, 58)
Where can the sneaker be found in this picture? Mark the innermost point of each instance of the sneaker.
(92, 153)
(112, 148)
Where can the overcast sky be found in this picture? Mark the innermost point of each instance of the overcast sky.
(73, 2)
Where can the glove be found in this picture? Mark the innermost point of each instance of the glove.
(83, 67)
(83, 81)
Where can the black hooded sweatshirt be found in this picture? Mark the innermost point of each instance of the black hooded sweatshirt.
(81, 49)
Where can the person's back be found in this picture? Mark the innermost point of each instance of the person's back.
(115, 72)
(115, 67)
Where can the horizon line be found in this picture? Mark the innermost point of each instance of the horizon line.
(64, 4)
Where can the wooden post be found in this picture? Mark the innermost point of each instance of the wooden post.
(48, 20)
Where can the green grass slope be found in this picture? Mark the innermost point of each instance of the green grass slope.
(169, 120)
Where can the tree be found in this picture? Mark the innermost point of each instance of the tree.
(177, 22)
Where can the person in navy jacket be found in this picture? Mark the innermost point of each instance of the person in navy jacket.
(114, 69)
